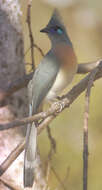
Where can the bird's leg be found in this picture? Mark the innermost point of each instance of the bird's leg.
(59, 106)
(56, 102)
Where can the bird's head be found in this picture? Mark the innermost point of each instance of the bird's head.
(56, 30)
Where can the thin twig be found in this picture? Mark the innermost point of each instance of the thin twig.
(37, 47)
(84, 68)
(52, 140)
(58, 178)
(64, 180)
(51, 152)
(26, 120)
(9, 184)
(67, 175)
(12, 156)
(28, 20)
(85, 139)
(28, 49)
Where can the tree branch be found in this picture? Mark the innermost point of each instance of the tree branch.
(23, 82)
(85, 129)
(84, 68)
(55, 108)
(28, 20)
(12, 156)
(10, 184)
(51, 152)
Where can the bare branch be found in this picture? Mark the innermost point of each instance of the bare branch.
(12, 156)
(55, 109)
(64, 180)
(37, 47)
(58, 178)
(19, 122)
(22, 82)
(85, 139)
(51, 152)
(51, 139)
(16, 152)
(67, 175)
(84, 68)
(28, 20)
(10, 184)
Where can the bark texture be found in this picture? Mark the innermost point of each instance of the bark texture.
(11, 67)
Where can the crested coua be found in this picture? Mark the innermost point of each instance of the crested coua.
(51, 77)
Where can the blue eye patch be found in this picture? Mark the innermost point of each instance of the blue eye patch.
(59, 31)
(56, 29)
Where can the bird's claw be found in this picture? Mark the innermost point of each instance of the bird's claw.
(59, 106)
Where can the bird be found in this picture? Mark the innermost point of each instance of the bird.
(54, 73)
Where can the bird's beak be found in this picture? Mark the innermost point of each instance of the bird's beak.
(45, 30)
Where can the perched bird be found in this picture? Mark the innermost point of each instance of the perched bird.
(52, 75)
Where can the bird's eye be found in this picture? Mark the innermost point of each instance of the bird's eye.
(56, 30)
(59, 31)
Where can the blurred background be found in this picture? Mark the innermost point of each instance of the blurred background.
(83, 20)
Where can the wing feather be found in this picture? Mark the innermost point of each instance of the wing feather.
(43, 80)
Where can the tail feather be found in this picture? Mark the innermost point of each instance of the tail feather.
(30, 155)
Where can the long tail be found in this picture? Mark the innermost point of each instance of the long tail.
(30, 155)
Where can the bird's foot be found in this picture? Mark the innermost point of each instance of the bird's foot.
(59, 106)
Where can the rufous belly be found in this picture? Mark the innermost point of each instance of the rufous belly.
(68, 69)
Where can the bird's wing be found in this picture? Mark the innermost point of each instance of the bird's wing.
(43, 80)
(38, 88)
